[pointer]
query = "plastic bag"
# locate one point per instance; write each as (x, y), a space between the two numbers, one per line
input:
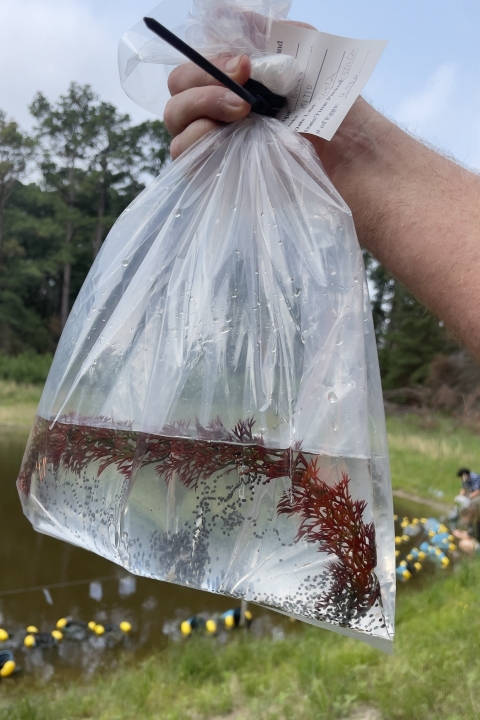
(213, 416)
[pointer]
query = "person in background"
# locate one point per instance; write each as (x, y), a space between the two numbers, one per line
(470, 491)
(468, 532)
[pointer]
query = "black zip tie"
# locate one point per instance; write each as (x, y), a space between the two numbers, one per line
(263, 102)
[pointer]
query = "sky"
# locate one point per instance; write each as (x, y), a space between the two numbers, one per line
(427, 79)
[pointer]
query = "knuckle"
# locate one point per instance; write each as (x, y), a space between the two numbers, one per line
(215, 104)
(174, 81)
(203, 102)
(168, 116)
(175, 148)
(201, 98)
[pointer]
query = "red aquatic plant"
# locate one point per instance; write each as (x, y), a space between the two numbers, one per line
(334, 521)
(74, 446)
(75, 442)
(329, 517)
(219, 450)
(34, 460)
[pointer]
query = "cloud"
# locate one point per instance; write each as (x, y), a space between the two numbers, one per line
(45, 44)
(427, 105)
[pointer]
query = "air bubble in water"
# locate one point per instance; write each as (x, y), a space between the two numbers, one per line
(334, 427)
(125, 262)
(332, 397)
(177, 212)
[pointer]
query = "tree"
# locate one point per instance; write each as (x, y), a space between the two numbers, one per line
(408, 335)
(15, 150)
(30, 263)
(155, 140)
(93, 163)
(383, 285)
(112, 164)
(66, 133)
(409, 340)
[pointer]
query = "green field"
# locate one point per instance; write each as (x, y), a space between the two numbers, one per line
(425, 454)
(310, 674)
(18, 405)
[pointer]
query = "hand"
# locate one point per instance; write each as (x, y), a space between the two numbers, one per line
(416, 211)
(200, 104)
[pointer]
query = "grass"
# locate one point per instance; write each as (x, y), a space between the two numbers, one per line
(18, 405)
(309, 675)
(425, 454)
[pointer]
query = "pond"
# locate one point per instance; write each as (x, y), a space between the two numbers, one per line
(43, 579)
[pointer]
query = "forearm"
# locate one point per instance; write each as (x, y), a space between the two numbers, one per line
(417, 212)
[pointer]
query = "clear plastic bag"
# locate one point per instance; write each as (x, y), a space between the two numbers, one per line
(213, 416)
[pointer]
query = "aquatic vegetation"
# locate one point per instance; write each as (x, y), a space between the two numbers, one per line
(334, 521)
(217, 466)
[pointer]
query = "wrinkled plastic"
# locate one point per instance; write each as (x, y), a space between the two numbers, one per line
(212, 27)
(279, 73)
(213, 415)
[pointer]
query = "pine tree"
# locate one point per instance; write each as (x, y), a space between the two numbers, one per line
(408, 336)
(66, 133)
(30, 263)
(411, 337)
(15, 151)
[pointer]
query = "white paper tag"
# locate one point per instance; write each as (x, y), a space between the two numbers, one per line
(334, 72)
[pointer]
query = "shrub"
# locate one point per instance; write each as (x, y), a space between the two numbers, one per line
(28, 367)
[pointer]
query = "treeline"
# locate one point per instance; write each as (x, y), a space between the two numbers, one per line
(408, 336)
(87, 162)
(421, 363)
(61, 189)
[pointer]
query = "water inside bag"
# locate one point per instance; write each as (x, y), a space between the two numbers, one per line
(214, 415)
(232, 517)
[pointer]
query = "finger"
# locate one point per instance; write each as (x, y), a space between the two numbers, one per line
(187, 76)
(214, 102)
(190, 135)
